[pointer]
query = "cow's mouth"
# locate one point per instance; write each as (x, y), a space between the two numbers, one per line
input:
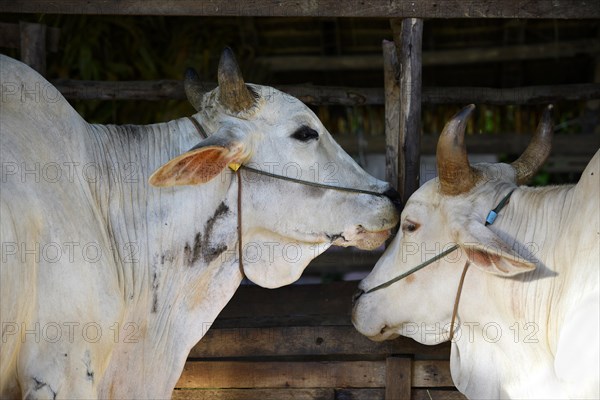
(361, 238)
(386, 333)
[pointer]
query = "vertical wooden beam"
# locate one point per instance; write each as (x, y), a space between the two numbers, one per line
(408, 36)
(391, 88)
(592, 107)
(33, 45)
(398, 378)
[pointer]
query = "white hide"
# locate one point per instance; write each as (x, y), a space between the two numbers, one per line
(521, 335)
(130, 275)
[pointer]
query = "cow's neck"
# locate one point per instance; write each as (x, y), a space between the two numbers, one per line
(174, 250)
(539, 224)
(502, 319)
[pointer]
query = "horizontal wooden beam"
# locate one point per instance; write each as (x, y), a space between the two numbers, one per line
(330, 95)
(291, 341)
(526, 95)
(282, 374)
(306, 374)
(262, 394)
(495, 144)
(561, 9)
(491, 54)
(310, 394)
(173, 89)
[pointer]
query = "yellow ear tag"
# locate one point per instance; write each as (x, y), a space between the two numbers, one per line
(234, 166)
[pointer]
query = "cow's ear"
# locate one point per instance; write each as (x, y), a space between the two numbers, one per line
(202, 163)
(488, 252)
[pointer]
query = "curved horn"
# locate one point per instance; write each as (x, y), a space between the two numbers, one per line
(537, 151)
(193, 88)
(455, 173)
(233, 92)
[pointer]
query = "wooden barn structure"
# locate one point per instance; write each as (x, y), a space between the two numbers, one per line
(298, 342)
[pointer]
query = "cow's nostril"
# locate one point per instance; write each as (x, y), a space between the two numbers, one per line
(357, 295)
(394, 197)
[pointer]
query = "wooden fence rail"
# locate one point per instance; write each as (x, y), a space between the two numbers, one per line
(561, 9)
(298, 343)
(330, 95)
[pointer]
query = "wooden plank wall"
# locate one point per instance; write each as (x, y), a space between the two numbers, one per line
(298, 343)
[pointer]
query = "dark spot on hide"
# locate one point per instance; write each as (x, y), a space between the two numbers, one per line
(202, 246)
(87, 360)
(167, 256)
(192, 253)
(333, 237)
(154, 292)
(38, 385)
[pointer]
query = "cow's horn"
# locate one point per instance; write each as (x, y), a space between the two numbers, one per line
(455, 173)
(233, 92)
(193, 88)
(538, 150)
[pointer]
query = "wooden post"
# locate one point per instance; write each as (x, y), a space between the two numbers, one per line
(33, 45)
(398, 378)
(391, 87)
(408, 36)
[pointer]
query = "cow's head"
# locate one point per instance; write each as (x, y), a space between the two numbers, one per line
(446, 211)
(285, 224)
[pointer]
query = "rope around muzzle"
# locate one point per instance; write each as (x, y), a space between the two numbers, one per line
(236, 167)
(491, 217)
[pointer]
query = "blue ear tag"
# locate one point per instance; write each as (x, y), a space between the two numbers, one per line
(491, 217)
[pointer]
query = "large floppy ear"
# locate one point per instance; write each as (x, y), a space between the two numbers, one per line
(203, 162)
(488, 252)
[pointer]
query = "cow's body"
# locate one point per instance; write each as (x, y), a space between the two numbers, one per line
(108, 282)
(533, 331)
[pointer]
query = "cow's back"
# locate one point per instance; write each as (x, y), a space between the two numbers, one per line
(578, 349)
(49, 225)
(584, 220)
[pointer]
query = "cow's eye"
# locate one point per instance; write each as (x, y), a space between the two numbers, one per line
(409, 226)
(304, 134)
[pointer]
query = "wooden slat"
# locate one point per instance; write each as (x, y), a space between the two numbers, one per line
(431, 373)
(307, 374)
(521, 95)
(328, 95)
(506, 143)
(490, 54)
(305, 341)
(254, 394)
(33, 45)
(325, 8)
(391, 86)
(437, 394)
(533, 51)
(321, 63)
(123, 90)
(172, 89)
(359, 394)
(398, 378)
(267, 374)
(308, 394)
(408, 36)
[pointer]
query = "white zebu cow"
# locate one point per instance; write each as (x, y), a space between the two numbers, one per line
(527, 324)
(107, 282)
